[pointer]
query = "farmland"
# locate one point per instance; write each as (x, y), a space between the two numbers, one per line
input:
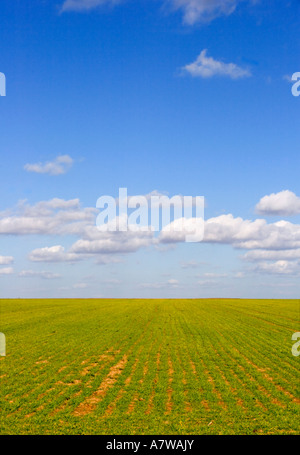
(149, 367)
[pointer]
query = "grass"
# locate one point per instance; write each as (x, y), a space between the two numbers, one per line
(149, 367)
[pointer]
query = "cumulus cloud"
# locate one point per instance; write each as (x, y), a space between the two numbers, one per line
(279, 268)
(97, 242)
(103, 259)
(86, 5)
(59, 217)
(206, 67)
(249, 234)
(272, 255)
(53, 204)
(41, 274)
(243, 234)
(183, 229)
(265, 242)
(5, 260)
(100, 245)
(60, 165)
(55, 253)
(278, 262)
(284, 203)
(54, 217)
(6, 271)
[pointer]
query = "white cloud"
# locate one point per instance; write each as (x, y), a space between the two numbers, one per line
(54, 204)
(244, 234)
(60, 165)
(103, 259)
(272, 255)
(6, 271)
(249, 234)
(55, 253)
(266, 242)
(275, 245)
(193, 10)
(284, 203)
(279, 268)
(26, 225)
(278, 262)
(86, 5)
(229, 230)
(183, 229)
(207, 67)
(100, 245)
(59, 217)
(203, 10)
(112, 242)
(41, 274)
(5, 260)
(65, 217)
(54, 217)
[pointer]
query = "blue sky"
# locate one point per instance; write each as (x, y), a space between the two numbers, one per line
(179, 96)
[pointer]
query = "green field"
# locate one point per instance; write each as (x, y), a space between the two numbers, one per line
(149, 367)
